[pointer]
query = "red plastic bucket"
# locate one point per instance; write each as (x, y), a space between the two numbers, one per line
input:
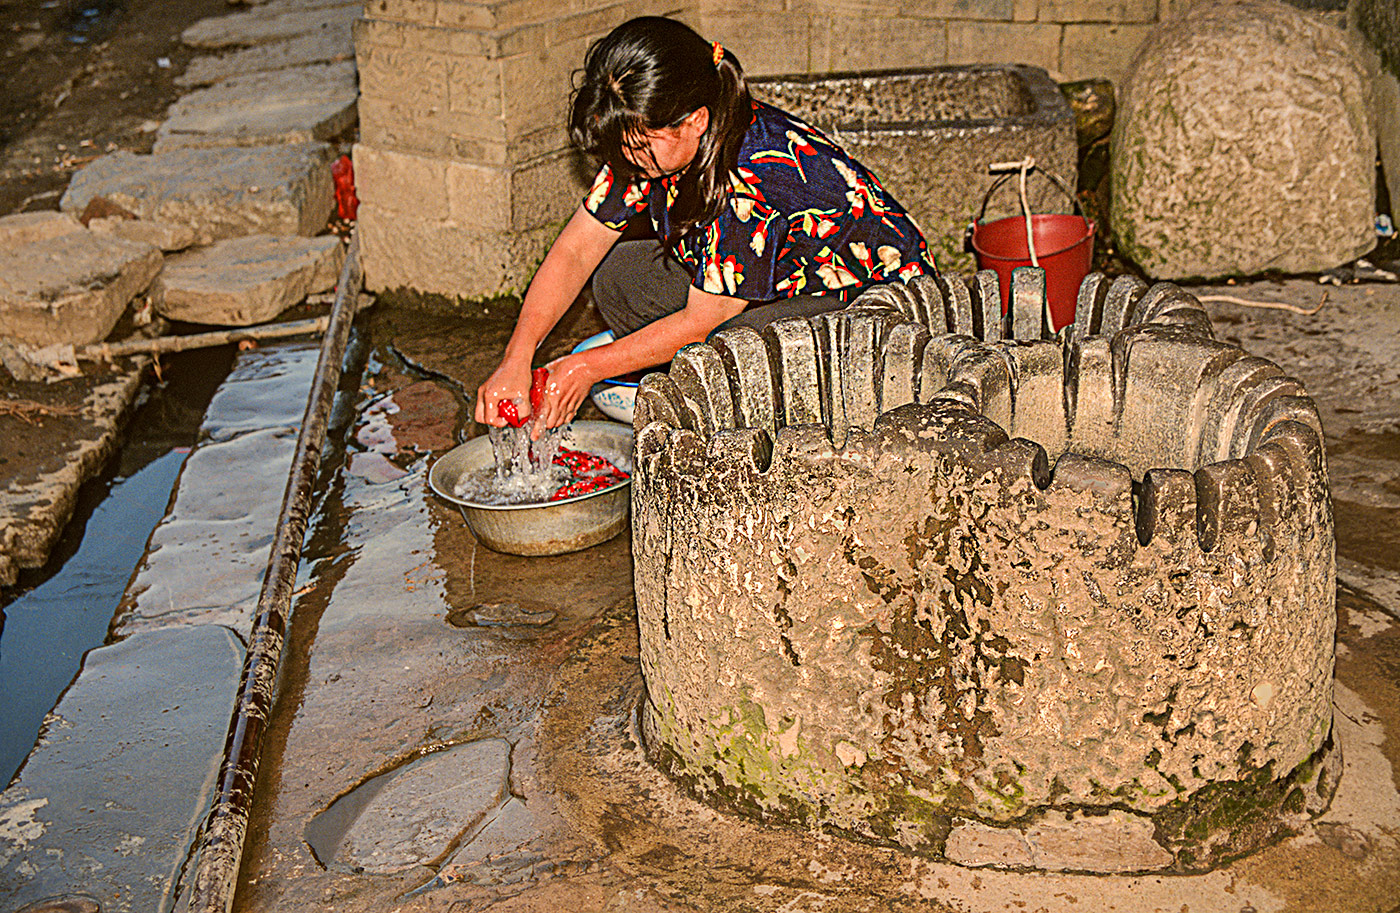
(1064, 244)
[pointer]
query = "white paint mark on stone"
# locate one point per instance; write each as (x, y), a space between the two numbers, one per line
(19, 827)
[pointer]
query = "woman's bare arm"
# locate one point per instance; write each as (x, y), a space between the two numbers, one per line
(571, 377)
(578, 250)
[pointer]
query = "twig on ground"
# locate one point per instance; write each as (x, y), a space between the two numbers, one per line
(107, 351)
(26, 409)
(1273, 305)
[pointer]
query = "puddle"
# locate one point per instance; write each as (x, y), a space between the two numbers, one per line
(58, 613)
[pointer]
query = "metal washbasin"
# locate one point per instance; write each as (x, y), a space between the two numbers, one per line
(552, 528)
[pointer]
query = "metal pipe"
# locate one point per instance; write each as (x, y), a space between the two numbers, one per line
(221, 850)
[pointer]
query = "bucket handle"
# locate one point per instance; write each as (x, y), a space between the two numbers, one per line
(996, 185)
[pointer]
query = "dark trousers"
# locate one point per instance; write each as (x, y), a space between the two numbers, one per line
(638, 283)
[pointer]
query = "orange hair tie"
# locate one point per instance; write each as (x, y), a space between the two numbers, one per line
(717, 53)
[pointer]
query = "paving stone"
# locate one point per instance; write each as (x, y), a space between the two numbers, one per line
(206, 560)
(220, 193)
(30, 227)
(323, 46)
(71, 289)
(266, 389)
(425, 808)
(1115, 842)
(294, 105)
(38, 493)
(164, 235)
(86, 814)
(249, 280)
(272, 22)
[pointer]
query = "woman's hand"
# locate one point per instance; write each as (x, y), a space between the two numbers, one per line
(570, 380)
(510, 381)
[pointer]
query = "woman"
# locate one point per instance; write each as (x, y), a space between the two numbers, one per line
(757, 215)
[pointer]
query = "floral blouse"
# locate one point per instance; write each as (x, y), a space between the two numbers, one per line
(803, 218)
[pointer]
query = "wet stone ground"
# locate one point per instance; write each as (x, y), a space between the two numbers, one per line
(456, 728)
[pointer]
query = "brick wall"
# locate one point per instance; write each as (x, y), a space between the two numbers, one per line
(464, 167)
(1071, 38)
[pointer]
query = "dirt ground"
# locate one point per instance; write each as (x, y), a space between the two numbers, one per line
(79, 78)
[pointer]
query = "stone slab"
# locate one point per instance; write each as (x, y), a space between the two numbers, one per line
(266, 389)
(71, 289)
(296, 105)
(206, 560)
(270, 23)
(315, 47)
(88, 812)
(427, 807)
(1115, 842)
(163, 235)
(249, 280)
(30, 227)
(219, 193)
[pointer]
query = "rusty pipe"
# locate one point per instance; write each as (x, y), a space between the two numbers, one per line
(221, 849)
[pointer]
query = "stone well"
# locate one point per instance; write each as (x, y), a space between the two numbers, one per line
(1045, 603)
(929, 134)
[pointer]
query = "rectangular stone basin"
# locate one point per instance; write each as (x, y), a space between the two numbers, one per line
(929, 134)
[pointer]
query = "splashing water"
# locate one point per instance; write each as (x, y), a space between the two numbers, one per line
(525, 471)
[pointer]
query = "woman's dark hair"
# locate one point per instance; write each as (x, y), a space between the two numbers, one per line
(649, 74)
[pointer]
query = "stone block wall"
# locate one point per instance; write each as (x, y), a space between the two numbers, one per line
(1071, 38)
(464, 167)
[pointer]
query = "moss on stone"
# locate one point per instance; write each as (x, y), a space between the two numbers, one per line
(1226, 820)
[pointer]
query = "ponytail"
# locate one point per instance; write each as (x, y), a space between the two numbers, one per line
(718, 155)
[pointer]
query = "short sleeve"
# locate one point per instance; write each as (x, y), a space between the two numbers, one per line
(612, 202)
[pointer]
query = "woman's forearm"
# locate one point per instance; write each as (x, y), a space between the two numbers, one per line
(578, 250)
(657, 342)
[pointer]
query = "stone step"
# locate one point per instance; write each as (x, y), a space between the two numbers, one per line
(30, 227)
(219, 193)
(325, 46)
(72, 288)
(249, 280)
(273, 22)
(294, 105)
(160, 234)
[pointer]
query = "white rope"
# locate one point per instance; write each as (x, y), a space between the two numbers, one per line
(1024, 166)
(1027, 164)
(1272, 305)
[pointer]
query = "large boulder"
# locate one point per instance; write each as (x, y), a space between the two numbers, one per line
(1244, 144)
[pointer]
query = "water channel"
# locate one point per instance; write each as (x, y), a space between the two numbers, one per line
(55, 614)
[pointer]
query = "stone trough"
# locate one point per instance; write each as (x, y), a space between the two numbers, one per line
(929, 135)
(1035, 603)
